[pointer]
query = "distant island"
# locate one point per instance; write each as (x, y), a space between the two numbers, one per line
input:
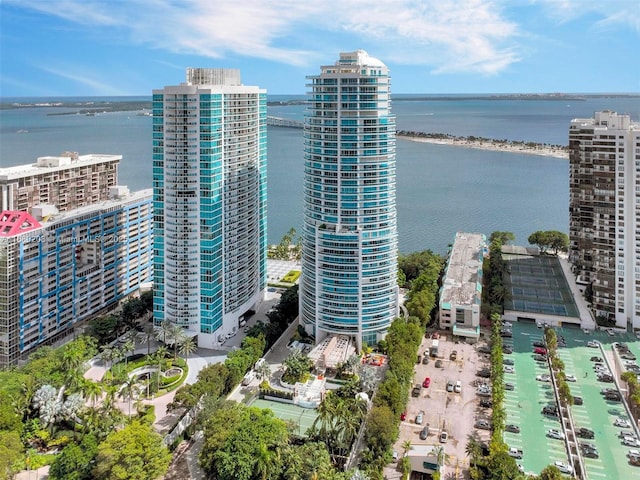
(513, 146)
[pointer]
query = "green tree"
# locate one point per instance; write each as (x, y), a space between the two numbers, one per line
(545, 239)
(187, 346)
(134, 453)
(11, 449)
(502, 237)
(75, 461)
(550, 472)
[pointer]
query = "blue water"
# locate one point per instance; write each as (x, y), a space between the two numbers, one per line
(440, 189)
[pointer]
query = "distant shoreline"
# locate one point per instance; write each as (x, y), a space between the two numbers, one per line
(529, 148)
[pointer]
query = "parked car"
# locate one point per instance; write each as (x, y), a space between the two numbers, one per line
(509, 386)
(419, 417)
(485, 373)
(539, 344)
(543, 378)
(563, 467)
(486, 403)
(458, 387)
(592, 344)
(508, 349)
(453, 355)
(596, 359)
(590, 452)
(483, 425)
(628, 356)
(613, 396)
(438, 363)
(626, 433)
(622, 422)
(555, 433)
(424, 433)
(540, 351)
(549, 410)
(450, 386)
(415, 392)
(512, 428)
(585, 433)
(508, 361)
(570, 378)
(509, 369)
(403, 416)
(578, 400)
(425, 359)
(426, 382)
(484, 349)
(631, 442)
(605, 377)
(540, 358)
(506, 333)
(443, 436)
(515, 452)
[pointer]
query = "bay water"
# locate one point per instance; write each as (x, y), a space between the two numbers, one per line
(441, 189)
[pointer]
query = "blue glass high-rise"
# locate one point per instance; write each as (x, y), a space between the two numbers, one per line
(349, 238)
(210, 200)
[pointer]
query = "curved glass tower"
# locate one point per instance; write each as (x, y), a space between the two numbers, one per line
(349, 238)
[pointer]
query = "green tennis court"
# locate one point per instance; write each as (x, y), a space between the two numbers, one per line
(302, 417)
(537, 285)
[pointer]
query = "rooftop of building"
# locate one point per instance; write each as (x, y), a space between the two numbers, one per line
(47, 215)
(461, 282)
(48, 164)
(332, 351)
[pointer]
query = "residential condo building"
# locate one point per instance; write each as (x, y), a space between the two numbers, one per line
(461, 291)
(349, 241)
(67, 181)
(58, 269)
(210, 202)
(604, 214)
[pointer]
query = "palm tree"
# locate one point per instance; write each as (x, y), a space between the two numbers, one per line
(266, 462)
(146, 337)
(107, 355)
(406, 446)
(128, 391)
(92, 391)
(128, 346)
(188, 346)
(177, 335)
(473, 449)
(159, 357)
(163, 330)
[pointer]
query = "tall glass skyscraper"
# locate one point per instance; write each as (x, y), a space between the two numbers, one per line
(349, 238)
(210, 202)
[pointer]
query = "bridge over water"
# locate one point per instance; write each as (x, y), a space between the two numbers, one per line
(283, 122)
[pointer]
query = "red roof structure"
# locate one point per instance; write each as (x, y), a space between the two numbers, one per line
(16, 223)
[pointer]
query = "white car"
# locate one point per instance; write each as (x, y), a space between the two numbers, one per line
(631, 442)
(571, 378)
(563, 467)
(610, 332)
(622, 422)
(592, 344)
(557, 434)
(543, 378)
(633, 453)
(509, 369)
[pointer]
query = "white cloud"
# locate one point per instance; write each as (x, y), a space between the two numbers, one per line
(445, 35)
(610, 13)
(72, 73)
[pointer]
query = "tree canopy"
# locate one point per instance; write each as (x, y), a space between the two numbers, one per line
(550, 239)
(134, 453)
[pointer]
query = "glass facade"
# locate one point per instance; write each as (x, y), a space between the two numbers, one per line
(349, 238)
(210, 202)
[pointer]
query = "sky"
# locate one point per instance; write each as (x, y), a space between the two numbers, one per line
(130, 47)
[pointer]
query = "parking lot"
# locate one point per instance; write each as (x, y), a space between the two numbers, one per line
(454, 412)
(524, 404)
